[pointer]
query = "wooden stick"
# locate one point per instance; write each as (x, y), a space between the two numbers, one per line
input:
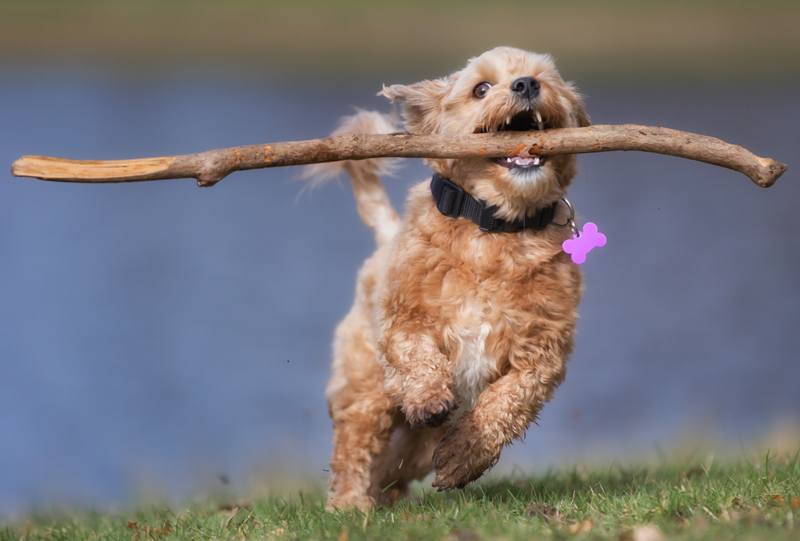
(211, 166)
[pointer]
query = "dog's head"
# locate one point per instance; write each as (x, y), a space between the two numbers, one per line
(502, 89)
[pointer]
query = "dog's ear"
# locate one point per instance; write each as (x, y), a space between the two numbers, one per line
(422, 103)
(577, 107)
(581, 115)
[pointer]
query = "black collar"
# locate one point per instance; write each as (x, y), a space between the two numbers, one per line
(451, 200)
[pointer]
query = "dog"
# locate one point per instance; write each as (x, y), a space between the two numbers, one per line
(464, 315)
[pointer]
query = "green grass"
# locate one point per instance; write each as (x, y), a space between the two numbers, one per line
(694, 500)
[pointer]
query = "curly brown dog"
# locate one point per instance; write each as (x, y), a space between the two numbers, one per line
(464, 315)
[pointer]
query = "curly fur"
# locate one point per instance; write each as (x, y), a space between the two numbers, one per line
(456, 337)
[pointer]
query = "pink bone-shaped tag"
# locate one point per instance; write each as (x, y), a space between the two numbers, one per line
(588, 239)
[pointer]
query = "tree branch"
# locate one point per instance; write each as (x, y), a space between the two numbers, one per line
(211, 166)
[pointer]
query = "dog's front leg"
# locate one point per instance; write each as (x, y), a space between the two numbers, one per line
(502, 413)
(419, 376)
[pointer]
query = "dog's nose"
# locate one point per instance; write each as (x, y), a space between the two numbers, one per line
(525, 87)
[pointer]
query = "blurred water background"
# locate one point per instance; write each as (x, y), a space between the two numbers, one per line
(157, 336)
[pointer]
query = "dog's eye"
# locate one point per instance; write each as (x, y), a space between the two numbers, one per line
(481, 89)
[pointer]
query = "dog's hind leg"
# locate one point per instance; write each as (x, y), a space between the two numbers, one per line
(362, 412)
(408, 457)
(361, 431)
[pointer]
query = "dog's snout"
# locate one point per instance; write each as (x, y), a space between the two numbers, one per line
(525, 87)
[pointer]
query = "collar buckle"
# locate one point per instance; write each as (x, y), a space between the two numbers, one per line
(450, 198)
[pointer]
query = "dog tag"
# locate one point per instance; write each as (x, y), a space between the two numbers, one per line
(583, 242)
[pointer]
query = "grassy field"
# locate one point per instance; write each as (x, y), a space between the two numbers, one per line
(706, 499)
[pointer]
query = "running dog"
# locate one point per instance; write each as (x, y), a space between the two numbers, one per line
(464, 316)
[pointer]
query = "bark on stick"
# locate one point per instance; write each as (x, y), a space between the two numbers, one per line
(211, 166)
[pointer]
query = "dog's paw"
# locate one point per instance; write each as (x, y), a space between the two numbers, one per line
(429, 408)
(461, 457)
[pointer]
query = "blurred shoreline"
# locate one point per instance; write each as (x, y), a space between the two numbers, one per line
(619, 40)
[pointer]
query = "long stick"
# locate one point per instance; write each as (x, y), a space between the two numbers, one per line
(211, 166)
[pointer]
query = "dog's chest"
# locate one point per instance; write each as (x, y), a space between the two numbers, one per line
(474, 366)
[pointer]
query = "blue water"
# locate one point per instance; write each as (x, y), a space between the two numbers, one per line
(157, 335)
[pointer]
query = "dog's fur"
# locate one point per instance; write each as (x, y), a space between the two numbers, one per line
(451, 324)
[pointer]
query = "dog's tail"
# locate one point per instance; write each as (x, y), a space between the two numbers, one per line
(372, 200)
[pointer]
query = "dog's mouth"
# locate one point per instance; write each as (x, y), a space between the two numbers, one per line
(528, 120)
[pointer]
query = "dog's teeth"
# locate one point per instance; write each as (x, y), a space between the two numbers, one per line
(539, 122)
(522, 162)
(508, 120)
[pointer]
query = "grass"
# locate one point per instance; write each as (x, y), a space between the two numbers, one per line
(745, 499)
